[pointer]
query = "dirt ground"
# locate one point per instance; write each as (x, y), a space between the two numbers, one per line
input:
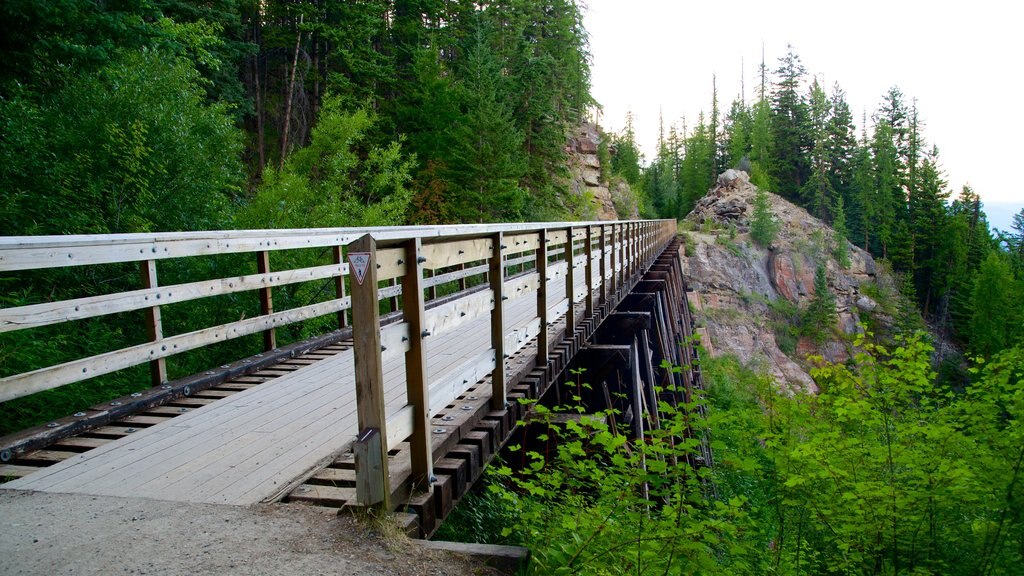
(51, 534)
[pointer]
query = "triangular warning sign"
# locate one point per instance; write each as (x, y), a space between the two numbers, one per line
(359, 261)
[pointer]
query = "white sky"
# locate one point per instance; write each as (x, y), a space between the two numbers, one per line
(962, 61)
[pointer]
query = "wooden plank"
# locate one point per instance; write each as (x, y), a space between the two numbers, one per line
(450, 387)
(79, 442)
(588, 251)
(449, 316)
(460, 275)
(390, 263)
(453, 253)
(542, 302)
(24, 252)
(8, 471)
(570, 284)
(154, 327)
(394, 341)
(522, 286)
(401, 424)
(266, 300)
(339, 283)
(516, 243)
(417, 390)
(557, 237)
(369, 374)
(78, 370)
(35, 315)
(496, 276)
(517, 338)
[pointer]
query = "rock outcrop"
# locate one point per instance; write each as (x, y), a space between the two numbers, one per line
(585, 175)
(749, 293)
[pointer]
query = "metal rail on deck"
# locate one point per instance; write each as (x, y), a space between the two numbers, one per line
(391, 262)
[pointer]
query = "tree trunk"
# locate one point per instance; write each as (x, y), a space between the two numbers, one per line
(291, 95)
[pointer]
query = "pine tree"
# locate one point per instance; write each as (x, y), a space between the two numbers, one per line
(790, 123)
(820, 317)
(841, 144)
(927, 212)
(763, 225)
(817, 192)
(487, 160)
(841, 249)
(737, 133)
(626, 157)
(996, 312)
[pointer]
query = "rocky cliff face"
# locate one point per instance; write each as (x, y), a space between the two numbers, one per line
(598, 195)
(750, 297)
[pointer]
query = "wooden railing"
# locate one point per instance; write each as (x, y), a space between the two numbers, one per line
(497, 262)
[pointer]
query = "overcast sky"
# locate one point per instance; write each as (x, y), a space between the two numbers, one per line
(962, 61)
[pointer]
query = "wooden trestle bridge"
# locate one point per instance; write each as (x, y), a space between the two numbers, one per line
(438, 332)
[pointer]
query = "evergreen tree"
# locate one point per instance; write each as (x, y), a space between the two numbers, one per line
(737, 133)
(763, 225)
(817, 192)
(887, 192)
(487, 161)
(841, 144)
(790, 127)
(695, 173)
(927, 212)
(762, 143)
(626, 157)
(820, 317)
(996, 320)
(841, 250)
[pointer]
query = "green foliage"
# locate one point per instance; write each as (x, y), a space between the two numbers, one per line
(111, 150)
(338, 180)
(841, 244)
(997, 319)
(583, 510)
(881, 472)
(763, 225)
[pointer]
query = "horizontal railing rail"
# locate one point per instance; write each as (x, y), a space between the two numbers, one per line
(414, 270)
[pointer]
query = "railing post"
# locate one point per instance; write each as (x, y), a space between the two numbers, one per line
(588, 248)
(339, 285)
(542, 297)
(570, 286)
(604, 266)
(417, 385)
(632, 251)
(616, 236)
(372, 483)
(497, 280)
(266, 300)
(154, 325)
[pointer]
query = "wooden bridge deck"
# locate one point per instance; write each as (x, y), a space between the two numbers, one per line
(251, 446)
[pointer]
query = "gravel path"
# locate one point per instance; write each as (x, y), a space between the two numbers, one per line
(54, 534)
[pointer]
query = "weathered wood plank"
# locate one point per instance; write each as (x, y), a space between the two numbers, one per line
(369, 373)
(390, 263)
(417, 392)
(78, 370)
(516, 243)
(453, 253)
(36, 315)
(154, 326)
(522, 286)
(458, 312)
(496, 276)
